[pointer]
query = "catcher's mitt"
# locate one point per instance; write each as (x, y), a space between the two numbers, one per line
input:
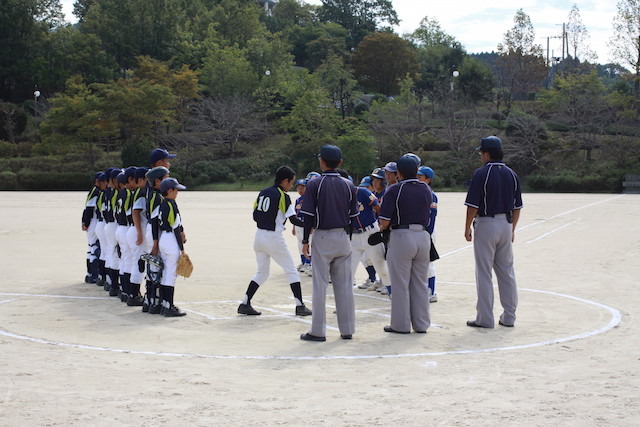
(185, 267)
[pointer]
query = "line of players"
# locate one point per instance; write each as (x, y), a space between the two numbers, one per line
(370, 193)
(129, 213)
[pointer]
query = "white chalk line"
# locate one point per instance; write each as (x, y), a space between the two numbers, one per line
(616, 318)
(542, 236)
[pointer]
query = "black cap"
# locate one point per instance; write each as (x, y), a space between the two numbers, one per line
(129, 172)
(407, 166)
(331, 153)
(490, 142)
(140, 172)
(114, 173)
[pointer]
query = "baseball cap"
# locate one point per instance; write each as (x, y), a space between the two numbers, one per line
(415, 156)
(170, 183)
(391, 167)
(407, 166)
(426, 171)
(122, 177)
(156, 173)
(490, 142)
(301, 181)
(100, 176)
(114, 173)
(141, 173)
(312, 175)
(365, 182)
(330, 152)
(159, 154)
(129, 173)
(378, 173)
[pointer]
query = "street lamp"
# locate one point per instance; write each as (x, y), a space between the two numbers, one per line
(455, 74)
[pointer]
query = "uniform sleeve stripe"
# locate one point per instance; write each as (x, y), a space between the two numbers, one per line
(307, 213)
(385, 218)
(472, 205)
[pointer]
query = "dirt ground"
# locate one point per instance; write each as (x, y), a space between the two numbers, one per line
(73, 356)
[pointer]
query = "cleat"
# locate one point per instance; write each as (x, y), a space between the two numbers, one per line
(249, 311)
(300, 268)
(365, 284)
(384, 291)
(433, 298)
(154, 309)
(113, 291)
(309, 337)
(173, 311)
(302, 310)
(136, 301)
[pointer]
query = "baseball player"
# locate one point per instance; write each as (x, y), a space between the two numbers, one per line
(426, 174)
(493, 205)
(405, 211)
(102, 275)
(329, 206)
(135, 237)
(160, 157)
(171, 244)
(123, 207)
(112, 261)
(364, 225)
(270, 212)
(89, 222)
(153, 200)
(391, 173)
(305, 264)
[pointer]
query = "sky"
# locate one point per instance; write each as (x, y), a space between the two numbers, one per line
(480, 25)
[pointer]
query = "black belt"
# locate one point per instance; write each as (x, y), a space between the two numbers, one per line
(405, 226)
(486, 215)
(363, 229)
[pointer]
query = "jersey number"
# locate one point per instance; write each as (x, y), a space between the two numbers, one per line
(263, 204)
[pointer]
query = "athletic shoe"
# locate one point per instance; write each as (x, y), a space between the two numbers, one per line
(309, 337)
(248, 310)
(365, 284)
(114, 291)
(433, 298)
(155, 309)
(173, 311)
(300, 267)
(302, 310)
(308, 270)
(372, 286)
(384, 291)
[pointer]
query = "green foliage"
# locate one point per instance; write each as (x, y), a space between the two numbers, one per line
(226, 72)
(358, 148)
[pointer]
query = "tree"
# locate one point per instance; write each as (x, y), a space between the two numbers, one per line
(475, 80)
(625, 43)
(339, 82)
(382, 60)
(521, 66)
(430, 33)
(578, 36)
(360, 18)
(226, 71)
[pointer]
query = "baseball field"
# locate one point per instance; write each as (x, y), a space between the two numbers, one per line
(71, 355)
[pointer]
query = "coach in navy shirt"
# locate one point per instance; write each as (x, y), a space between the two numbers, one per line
(329, 207)
(405, 210)
(493, 204)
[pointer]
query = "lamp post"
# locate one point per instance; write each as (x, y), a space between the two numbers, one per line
(36, 95)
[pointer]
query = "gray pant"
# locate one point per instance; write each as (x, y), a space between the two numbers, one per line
(408, 261)
(492, 249)
(331, 252)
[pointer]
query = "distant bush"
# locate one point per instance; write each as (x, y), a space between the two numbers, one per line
(44, 180)
(8, 181)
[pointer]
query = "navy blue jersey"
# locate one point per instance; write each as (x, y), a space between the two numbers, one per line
(272, 208)
(366, 201)
(331, 201)
(495, 189)
(407, 202)
(169, 220)
(433, 212)
(297, 207)
(109, 203)
(123, 204)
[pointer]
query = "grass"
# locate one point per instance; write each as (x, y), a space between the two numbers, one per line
(241, 185)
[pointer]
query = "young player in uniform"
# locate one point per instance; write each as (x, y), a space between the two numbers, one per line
(153, 200)
(135, 237)
(100, 229)
(112, 261)
(89, 222)
(171, 244)
(305, 264)
(426, 174)
(391, 173)
(123, 208)
(271, 210)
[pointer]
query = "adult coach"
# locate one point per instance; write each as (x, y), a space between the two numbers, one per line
(493, 204)
(329, 206)
(405, 211)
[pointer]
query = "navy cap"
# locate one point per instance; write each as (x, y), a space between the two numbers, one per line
(490, 142)
(331, 153)
(122, 177)
(391, 167)
(426, 171)
(129, 173)
(114, 173)
(366, 181)
(415, 156)
(159, 154)
(141, 173)
(100, 176)
(170, 183)
(378, 173)
(301, 181)
(156, 173)
(107, 172)
(407, 166)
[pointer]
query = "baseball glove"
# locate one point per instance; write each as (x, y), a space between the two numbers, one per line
(185, 267)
